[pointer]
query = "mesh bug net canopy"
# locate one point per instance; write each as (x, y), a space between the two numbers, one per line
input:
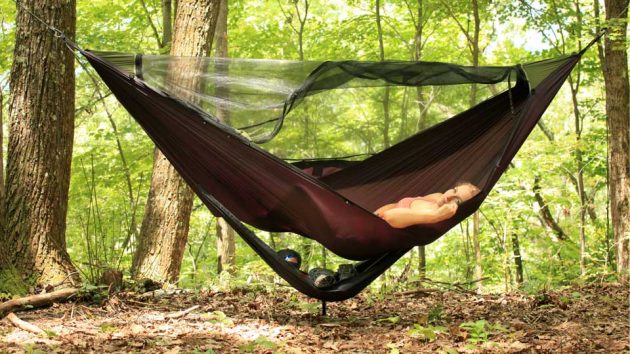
(363, 107)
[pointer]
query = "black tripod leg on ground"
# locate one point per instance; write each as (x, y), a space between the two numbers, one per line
(323, 308)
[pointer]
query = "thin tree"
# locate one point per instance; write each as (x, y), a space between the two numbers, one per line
(165, 226)
(386, 94)
(1, 163)
(424, 101)
(475, 53)
(225, 234)
(518, 259)
(41, 114)
(577, 178)
(310, 139)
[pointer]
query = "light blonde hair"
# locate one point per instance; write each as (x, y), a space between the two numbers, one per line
(475, 189)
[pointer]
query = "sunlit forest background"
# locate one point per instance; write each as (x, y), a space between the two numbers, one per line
(530, 228)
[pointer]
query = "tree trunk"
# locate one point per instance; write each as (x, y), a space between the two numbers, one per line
(225, 234)
(422, 263)
(473, 101)
(477, 248)
(617, 110)
(423, 110)
(4, 261)
(545, 213)
(381, 47)
(579, 161)
(41, 114)
(417, 54)
(609, 240)
(475, 48)
(167, 24)
(518, 260)
(1, 170)
(10, 282)
(575, 85)
(164, 229)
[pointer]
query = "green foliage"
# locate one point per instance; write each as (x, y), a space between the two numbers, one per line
(481, 330)
(11, 284)
(448, 351)
(436, 314)
(426, 334)
(32, 349)
(218, 317)
(51, 334)
(108, 328)
(209, 351)
(393, 319)
(261, 343)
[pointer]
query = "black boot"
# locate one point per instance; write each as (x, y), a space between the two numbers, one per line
(346, 271)
(321, 277)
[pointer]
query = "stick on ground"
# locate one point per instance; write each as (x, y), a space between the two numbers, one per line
(17, 322)
(36, 300)
(182, 313)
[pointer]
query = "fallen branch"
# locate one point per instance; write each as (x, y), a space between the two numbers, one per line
(182, 313)
(471, 282)
(459, 286)
(163, 293)
(17, 322)
(36, 300)
(423, 291)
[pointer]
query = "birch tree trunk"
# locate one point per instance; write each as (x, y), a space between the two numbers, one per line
(617, 93)
(164, 229)
(41, 114)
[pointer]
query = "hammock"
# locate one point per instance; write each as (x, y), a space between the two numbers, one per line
(330, 201)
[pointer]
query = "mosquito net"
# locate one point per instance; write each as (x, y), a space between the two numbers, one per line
(332, 109)
(255, 96)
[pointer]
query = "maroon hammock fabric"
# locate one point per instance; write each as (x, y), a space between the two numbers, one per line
(336, 210)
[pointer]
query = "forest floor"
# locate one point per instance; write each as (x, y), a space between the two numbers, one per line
(578, 319)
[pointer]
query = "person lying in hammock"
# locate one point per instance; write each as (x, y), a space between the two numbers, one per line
(427, 209)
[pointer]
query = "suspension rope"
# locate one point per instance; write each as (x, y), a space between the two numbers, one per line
(57, 33)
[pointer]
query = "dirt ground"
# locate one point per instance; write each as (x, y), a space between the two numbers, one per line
(588, 319)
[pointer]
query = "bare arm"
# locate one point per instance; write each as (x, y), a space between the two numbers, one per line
(404, 217)
(435, 197)
(380, 211)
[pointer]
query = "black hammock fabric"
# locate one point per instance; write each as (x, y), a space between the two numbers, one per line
(238, 180)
